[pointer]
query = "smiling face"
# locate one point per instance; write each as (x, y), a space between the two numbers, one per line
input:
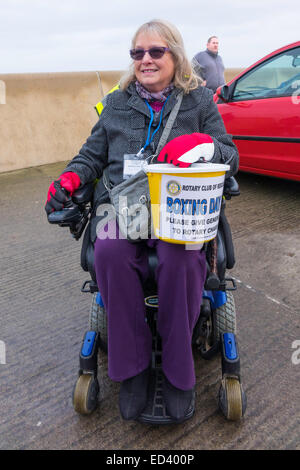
(153, 74)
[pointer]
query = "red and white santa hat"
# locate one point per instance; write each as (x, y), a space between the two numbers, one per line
(188, 149)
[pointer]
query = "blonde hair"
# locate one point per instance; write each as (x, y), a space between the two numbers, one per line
(184, 78)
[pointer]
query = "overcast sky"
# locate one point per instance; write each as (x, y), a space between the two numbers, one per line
(85, 35)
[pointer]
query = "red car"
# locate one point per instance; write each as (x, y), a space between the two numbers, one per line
(261, 109)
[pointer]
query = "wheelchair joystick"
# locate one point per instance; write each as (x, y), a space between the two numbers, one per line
(68, 215)
(75, 213)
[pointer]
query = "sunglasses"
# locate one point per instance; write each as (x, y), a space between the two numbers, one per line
(154, 52)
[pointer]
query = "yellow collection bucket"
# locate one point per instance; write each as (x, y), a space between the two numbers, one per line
(186, 202)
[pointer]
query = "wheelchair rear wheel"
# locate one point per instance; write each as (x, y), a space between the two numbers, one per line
(98, 322)
(221, 320)
(226, 317)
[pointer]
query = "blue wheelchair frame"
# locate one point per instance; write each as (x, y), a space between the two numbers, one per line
(216, 298)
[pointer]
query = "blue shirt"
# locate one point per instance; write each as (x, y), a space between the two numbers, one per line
(211, 68)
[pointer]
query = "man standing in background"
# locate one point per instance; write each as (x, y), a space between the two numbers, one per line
(209, 65)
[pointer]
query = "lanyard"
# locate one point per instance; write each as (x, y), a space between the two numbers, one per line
(150, 138)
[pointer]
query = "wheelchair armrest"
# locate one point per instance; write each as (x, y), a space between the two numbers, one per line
(231, 187)
(83, 195)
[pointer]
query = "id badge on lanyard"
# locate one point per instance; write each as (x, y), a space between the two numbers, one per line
(132, 164)
(135, 162)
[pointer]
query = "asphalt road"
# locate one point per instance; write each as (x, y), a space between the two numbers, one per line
(44, 316)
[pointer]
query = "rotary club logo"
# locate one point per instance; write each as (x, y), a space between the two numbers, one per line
(173, 188)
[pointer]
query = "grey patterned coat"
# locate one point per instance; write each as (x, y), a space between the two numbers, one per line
(123, 125)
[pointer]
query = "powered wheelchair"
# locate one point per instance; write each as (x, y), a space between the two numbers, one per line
(214, 332)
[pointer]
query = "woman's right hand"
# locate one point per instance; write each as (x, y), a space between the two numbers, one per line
(60, 191)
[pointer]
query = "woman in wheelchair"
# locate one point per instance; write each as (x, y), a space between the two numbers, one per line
(131, 123)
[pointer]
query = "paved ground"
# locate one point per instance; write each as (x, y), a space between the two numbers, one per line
(44, 315)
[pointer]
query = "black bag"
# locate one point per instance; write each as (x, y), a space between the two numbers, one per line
(131, 201)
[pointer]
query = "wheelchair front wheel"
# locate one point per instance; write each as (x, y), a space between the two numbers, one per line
(85, 394)
(232, 399)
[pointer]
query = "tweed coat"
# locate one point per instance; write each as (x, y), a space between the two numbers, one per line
(122, 129)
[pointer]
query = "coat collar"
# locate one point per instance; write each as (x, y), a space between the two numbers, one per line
(137, 103)
(134, 101)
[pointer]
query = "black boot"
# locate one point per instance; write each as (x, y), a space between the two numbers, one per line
(180, 404)
(133, 395)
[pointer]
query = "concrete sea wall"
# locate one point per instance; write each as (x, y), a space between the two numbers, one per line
(45, 118)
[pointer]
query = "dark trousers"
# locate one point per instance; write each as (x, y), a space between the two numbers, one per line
(121, 267)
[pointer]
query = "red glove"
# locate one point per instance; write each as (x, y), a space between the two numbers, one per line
(187, 149)
(60, 190)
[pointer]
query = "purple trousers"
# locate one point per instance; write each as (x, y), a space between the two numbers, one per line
(121, 267)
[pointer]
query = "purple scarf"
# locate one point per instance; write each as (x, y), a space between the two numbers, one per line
(158, 96)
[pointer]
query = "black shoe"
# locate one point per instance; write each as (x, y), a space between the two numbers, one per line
(180, 404)
(133, 395)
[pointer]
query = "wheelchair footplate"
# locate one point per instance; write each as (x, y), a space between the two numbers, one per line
(155, 411)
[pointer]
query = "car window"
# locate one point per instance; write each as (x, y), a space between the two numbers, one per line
(278, 76)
